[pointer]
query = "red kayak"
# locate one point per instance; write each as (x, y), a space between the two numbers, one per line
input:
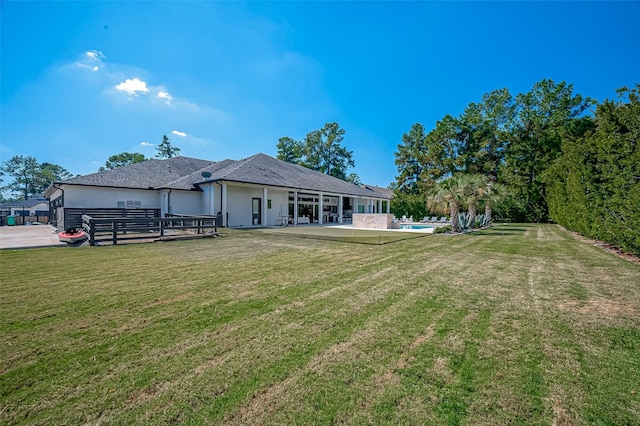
(72, 236)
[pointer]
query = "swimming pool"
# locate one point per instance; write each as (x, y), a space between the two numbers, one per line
(417, 227)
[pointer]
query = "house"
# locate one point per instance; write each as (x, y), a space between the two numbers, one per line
(34, 209)
(257, 191)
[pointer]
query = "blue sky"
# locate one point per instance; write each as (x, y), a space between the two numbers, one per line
(85, 80)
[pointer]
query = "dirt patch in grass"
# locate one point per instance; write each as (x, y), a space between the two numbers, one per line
(604, 308)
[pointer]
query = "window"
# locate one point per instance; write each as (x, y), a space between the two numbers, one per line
(268, 204)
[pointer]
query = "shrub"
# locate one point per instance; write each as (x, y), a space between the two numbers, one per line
(442, 229)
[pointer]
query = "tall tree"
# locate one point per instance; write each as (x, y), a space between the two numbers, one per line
(535, 144)
(409, 159)
(483, 133)
(165, 149)
(25, 173)
(321, 151)
(50, 173)
(290, 150)
(324, 153)
(122, 159)
(423, 159)
(354, 179)
(29, 176)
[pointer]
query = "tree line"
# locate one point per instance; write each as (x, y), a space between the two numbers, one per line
(543, 152)
(30, 177)
(164, 150)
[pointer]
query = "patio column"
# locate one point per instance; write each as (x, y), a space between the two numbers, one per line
(388, 206)
(320, 209)
(264, 207)
(295, 207)
(211, 204)
(379, 207)
(223, 205)
(340, 209)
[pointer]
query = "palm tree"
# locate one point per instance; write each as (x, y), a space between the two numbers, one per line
(474, 192)
(450, 193)
(493, 193)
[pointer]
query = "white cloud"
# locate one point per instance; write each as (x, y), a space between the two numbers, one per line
(143, 143)
(179, 133)
(95, 54)
(119, 84)
(91, 60)
(165, 95)
(133, 86)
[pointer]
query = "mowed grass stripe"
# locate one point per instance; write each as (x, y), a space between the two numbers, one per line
(519, 323)
(345, 366)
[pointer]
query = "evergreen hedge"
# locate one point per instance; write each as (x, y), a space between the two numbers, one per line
(593, 188)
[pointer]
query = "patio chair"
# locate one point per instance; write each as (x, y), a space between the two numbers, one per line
(425, 219)
(434, 219)
(443, 219)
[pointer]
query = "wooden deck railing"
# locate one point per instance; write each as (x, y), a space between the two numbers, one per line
(116, 229)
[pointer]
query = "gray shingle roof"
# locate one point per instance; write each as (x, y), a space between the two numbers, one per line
(265, 170)
(385, 192)
(30, 202)
(186, 173)
(144, 175)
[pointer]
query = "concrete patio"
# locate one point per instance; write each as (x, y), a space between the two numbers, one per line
(28, 236)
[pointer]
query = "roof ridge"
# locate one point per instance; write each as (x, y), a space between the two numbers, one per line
(211, 163)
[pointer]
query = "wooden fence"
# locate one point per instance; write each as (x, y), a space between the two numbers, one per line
(73, 216)
(22, 220)
(118, 229)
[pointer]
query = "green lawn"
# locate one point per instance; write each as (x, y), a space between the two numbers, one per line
(519, 324)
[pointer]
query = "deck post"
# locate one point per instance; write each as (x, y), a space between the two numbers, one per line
(114, 226)
(92, 233)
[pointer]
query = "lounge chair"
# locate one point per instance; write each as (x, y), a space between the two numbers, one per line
(433, 219)
(443, 220)
(425, 219)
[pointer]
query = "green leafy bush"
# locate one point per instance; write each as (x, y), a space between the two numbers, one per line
(442, 229)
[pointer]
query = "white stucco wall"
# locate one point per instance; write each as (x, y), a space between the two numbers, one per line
(239, 199)
(182, 202)
(372, 220)
(92, 197)
(187, 202)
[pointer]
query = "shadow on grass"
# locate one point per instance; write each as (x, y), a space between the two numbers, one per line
(499, 232)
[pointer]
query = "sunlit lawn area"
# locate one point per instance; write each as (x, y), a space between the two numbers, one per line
(516, 324)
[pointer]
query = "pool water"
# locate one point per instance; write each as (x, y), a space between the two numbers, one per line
(416, 226)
